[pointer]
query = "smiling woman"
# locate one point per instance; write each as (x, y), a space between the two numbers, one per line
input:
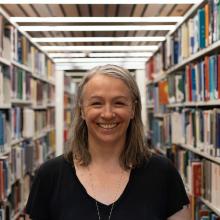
(107, 172)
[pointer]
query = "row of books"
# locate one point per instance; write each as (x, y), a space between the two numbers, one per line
(24, 123)
(200, 211)
(15, 46)
(16, 83)
(196, 128)
(199, 31)
(27, 123)
(68, 103)
(201, 177)
(199, 82)
(23, 159)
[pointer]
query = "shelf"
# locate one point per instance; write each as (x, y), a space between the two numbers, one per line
(159, 115)
(8, 150)
(193, 149)
(5, 106)
(5, 61)
(40, 107)
(21, 102)
(149, 82)
(26, 68)
(195, 56)
(17, 141)
(160, 77)
(36, 76)
(175, 105)
(16, 215)
(195, 104)
(211, 206)
(161, 150)
(39, 135)
(150, 106)
(50, 105)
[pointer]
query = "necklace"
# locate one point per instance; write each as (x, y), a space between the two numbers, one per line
(96, 203)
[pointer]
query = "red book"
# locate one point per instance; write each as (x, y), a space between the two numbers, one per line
(196, 178)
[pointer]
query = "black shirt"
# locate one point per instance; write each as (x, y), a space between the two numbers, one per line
(154, 191)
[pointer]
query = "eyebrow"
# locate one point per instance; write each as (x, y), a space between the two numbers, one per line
(100, 97)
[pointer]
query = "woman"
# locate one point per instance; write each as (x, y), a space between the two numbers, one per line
(108, 172)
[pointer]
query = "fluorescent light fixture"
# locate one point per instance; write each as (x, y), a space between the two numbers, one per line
(100, 28)
(97, 39)
(99, 60)
(94, 2)
(100, 48)
(109, 54)
(87, 66)
(95, 19)
(137, 54)
(67, 55)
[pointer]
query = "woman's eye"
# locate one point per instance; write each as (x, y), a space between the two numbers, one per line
(96, 104)
(119, 103)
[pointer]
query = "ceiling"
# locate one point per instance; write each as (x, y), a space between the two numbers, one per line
(107, 10)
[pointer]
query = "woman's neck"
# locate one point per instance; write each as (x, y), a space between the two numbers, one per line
(104, 155)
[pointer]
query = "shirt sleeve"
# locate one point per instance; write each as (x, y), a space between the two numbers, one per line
(176, 193)
(37, 206)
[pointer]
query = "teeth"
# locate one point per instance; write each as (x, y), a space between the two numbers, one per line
(108, 126)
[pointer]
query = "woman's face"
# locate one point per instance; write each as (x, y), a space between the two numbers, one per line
(107, 109)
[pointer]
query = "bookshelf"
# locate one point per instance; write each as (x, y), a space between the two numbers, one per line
(27, 115)
(68, 103)
(183, 92)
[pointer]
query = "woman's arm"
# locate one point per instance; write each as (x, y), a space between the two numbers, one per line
(183, 214)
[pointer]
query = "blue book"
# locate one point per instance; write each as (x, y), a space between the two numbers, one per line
(193, 77)
(201, 23)
(2, 131)
(211, 78)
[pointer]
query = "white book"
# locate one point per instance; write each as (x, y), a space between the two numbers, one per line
(28, 123)
(1, 87)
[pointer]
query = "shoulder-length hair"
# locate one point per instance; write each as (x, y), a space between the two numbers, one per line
(135, 151)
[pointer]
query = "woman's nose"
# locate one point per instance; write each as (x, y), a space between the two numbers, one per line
(108, 112)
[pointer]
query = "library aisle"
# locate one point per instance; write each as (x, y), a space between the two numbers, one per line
(171, 48)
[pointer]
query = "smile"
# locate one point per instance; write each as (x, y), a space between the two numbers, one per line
(107, 125)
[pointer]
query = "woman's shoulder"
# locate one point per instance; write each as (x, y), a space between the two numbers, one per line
(158, 163)
(52, 166)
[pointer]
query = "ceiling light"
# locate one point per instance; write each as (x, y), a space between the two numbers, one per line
(92, 2)
(97, 39)
(109, 54)
(95, 19)
(87, 66)
(137, 54)
(99, 28)
(100, 48)
(99, 60)
(67, 54)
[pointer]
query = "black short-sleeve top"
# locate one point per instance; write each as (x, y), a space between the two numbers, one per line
(154, 191)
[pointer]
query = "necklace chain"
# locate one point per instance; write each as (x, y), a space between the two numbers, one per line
(96, 202)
